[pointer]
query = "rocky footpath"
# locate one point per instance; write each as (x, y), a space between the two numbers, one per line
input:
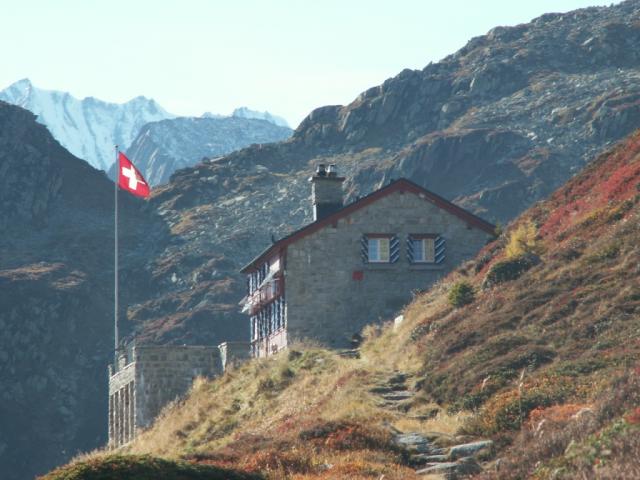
(431, 453)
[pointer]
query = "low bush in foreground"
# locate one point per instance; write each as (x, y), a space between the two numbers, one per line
(142, 467)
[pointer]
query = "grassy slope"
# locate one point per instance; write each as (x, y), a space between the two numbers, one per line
(544, 364)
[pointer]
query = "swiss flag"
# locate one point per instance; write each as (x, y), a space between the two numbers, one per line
(130, 179)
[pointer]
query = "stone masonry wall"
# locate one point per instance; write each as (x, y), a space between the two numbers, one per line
(325, 299)
(122, 405)
(167, 372)
(150, 377)
(233, 353)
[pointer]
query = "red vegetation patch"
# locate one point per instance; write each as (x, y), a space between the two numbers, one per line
(589, 192)
(346, 436)
(276, 460)
(556, 413)
(633, 417)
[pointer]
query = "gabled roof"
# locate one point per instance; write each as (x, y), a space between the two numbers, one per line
(400, 185)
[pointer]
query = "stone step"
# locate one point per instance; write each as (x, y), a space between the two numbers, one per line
(352, 353)
(438, 468)
(469, 449)
(417, 444)
(422, 418)
(398, 406)
(413, 442)
(397, 378)
(452, 470)
(388, 388)
(397, 396)
(421, 459)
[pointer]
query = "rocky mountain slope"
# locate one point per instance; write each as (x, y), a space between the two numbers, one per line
(533, 375)
(88, 128)
(494, 127)
(56, 303)
(163, 147)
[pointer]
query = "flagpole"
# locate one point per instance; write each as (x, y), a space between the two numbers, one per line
(115, 259)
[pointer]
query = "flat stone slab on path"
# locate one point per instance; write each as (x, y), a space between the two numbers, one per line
(469, 449)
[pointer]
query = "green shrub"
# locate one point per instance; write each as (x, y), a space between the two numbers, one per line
(508, 270)
(511, 416)
(461, 294)
(607, 253)
(580, 367)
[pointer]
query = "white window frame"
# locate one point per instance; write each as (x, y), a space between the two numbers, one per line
(377, 241)
(416, 246)
(419, 247)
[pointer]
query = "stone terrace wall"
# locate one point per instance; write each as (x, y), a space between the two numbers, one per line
(150, 377)
(233, 352)
(122, 404)
(167, 372)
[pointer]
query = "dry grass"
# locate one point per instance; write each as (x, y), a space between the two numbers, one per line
(305, 413)
(446, 423)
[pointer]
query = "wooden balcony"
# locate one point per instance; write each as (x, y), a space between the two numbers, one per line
(264, 295)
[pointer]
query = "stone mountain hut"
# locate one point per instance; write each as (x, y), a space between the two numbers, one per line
(355, 264)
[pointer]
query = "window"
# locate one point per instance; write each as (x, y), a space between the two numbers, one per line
(424, 250)
(427, 248)
(377, 248)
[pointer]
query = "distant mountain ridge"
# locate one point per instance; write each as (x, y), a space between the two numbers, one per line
(244, 112)
(88, 128)
(163, 147)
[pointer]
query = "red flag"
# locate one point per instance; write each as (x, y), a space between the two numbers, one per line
(130, 179)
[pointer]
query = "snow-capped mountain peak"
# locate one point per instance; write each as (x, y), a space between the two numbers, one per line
(88, 128)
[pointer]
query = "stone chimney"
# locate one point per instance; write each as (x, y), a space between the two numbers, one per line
(326, 191)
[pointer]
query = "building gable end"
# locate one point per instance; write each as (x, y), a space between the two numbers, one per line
(402, 185)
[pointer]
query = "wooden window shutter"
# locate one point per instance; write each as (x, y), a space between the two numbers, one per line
(394, 249)
(410, 245)
(439, 247)
(364, 249)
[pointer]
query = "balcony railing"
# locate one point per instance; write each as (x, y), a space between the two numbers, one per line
(265, 294)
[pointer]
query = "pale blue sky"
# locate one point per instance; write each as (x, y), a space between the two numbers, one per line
(286, 56)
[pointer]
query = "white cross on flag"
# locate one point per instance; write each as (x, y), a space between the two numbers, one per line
(130, 179)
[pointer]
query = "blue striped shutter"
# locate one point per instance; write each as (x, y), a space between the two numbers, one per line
(410, 248)
(364, 249)
(394, 249)
(439, 246)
